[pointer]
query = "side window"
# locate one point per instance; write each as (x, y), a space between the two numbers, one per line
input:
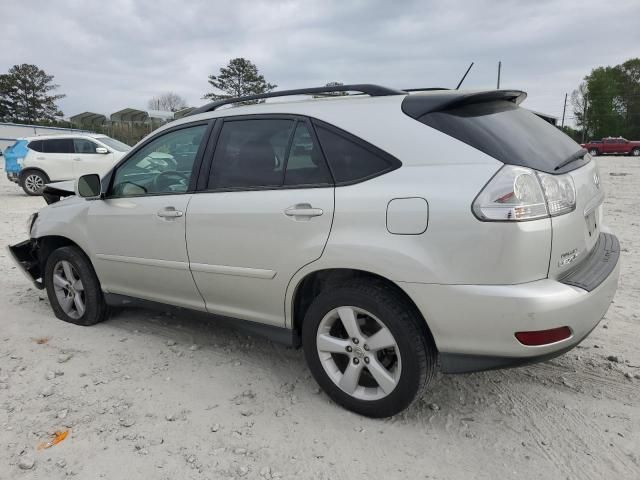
(162, 166)
(350, 161)
(59, 145)
(305, 165)
(251, 153)
(36, 146)
(83, 145)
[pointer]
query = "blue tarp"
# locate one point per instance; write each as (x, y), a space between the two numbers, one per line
(11, 155)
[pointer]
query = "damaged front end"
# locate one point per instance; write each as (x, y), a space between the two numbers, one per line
(25, 254)
(54, 192)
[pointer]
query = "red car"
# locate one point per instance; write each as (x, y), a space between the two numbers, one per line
(613, 145)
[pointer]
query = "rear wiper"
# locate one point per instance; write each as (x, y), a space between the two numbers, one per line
(576, 156)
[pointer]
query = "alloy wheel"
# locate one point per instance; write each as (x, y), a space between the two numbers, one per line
(34, 183)
(358, 353)
(69, 289)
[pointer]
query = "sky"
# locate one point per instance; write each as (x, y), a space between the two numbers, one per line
(113, 54)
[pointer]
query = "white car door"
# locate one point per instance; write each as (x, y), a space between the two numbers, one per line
(266, 212)
(138, 230)
(87, 160)
(55, 158)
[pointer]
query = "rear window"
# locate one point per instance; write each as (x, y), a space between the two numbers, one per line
(59, 145)
(508, 133)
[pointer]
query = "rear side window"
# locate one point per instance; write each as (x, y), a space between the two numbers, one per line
(351, 159)
(508, 133)
(36, 146)
(59, 145)
(305, 163)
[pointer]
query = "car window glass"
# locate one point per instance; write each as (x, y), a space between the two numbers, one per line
(348, 160)
(305, 164)
(36, 145)
(162, 166)
(251, 153)
(82, 145)
(58, 145)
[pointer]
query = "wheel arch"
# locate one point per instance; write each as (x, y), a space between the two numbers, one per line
(49, 243)
(313, 283)
(23, 173)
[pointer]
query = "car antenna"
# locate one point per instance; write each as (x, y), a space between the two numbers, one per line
(464, 76)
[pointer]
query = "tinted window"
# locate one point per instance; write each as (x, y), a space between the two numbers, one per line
(59, 145)
(162, 166)
(508, 133)
(84, 146)
(305, 164)
(36, 145)
(251, 153)
(350, 161)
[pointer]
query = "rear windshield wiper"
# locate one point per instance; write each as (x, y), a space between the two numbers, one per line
(576, 156)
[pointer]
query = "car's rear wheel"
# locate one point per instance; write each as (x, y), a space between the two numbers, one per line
(593, 152)
(635, 152)
(365, 347)
(73, 287)
(33, 182)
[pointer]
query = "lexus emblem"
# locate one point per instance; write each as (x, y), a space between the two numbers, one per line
(596, 180)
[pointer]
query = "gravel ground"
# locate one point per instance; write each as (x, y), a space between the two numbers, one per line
(166, 396)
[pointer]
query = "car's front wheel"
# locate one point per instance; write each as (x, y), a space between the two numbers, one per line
(33, 182)
(73, 287)
(594, 152)
(365, 347)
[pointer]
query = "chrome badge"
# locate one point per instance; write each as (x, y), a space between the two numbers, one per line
(568, 257)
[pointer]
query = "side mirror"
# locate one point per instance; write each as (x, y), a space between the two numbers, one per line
(102, 150)
(88, 186)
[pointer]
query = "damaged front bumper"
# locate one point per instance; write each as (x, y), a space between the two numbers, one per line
(25, 254)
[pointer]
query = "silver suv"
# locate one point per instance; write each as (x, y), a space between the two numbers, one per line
(387, 233)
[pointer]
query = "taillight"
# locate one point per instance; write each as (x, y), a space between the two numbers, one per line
(543, 337)
(519, 194)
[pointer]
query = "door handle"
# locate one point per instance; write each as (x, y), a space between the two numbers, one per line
(169, 212)
(77, 159)
(303, 210)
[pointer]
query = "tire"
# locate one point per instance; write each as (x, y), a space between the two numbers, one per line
(67, 296)
(635, 152)
(410, 362)
(33, 182)
(593, 152)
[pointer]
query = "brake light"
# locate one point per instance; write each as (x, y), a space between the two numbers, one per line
(543, 337)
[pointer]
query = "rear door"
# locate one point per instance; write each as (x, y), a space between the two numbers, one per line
(138, 230)
(55, 158)
(264, 212)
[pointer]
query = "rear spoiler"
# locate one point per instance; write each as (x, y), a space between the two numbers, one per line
(417, 105)
(54, 192)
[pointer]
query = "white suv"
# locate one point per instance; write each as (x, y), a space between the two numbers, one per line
(52, 158)
(387, 233)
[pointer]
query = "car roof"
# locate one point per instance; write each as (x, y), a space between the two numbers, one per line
(64, 135)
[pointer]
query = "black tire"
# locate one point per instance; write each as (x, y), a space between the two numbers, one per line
(416, 348)
(594, 152)
(33, 181)
(96, 310)
(635, 152)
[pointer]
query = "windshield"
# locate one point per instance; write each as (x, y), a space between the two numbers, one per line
(115, 144)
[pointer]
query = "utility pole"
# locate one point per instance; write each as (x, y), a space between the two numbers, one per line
(564, 109)
(499, 68)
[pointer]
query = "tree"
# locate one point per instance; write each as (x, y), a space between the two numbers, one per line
(240, 77)
(168, 101)
(25, 95)
(607, 102)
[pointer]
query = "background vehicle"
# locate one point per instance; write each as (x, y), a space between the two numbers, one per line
(52, 158)
(613, 145)
(384, 232)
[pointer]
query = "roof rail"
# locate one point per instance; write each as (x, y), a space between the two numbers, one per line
(367, 89)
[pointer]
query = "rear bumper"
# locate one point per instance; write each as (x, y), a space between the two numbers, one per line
(25, 255)
(13, 176)
(474, 325)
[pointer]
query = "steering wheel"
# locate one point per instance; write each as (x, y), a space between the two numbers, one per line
(163, 180)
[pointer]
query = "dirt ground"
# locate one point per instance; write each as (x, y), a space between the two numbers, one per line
(165, 396)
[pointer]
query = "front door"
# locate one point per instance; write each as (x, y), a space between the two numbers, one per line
(86, 160)
(139, 229)
(266, 213)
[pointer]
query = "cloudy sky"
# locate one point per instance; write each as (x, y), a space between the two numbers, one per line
(113, 54)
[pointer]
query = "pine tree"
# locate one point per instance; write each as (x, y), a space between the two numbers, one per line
(240, 77)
